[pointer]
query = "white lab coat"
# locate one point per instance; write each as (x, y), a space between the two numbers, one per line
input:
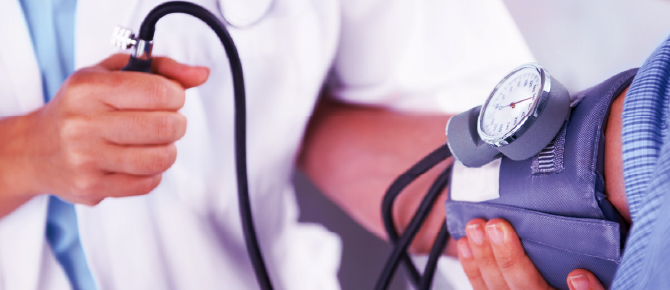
(412, 55)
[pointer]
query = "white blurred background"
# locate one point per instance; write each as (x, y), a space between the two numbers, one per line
(579, 42)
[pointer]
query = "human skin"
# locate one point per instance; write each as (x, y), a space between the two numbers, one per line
(492, 255)
(353, 153)
(106, 133)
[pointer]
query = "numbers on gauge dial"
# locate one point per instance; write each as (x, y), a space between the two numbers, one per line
(511, 103)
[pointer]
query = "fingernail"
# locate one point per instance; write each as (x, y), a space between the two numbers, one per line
(464, 249)
(580, 282)
(476, 234)
(495, 234)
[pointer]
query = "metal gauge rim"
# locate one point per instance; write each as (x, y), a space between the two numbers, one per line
(527, 121)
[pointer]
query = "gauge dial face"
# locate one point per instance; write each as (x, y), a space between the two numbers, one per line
(511, 103)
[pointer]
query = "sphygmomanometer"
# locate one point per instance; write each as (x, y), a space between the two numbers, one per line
(548, 151)
(549, 145)
(551, 185)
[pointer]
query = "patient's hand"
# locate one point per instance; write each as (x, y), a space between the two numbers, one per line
(493, 258)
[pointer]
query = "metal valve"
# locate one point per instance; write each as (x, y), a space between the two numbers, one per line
(124, 38)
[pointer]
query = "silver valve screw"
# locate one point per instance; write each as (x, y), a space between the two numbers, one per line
(123, 38)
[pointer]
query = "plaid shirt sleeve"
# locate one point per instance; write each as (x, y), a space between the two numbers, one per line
(646, 158)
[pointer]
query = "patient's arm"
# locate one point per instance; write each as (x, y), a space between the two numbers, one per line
(492, 255)
(614, 183)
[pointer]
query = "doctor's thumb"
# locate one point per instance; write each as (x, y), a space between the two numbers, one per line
(581, 279)
(187, 76)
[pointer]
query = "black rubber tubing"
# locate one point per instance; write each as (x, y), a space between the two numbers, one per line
(147, 30)
(400, 246)
(434, 256)
(395, 190)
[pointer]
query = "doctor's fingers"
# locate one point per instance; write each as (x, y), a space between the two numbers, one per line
(518, 270)
(469, 264)
(114, 62)
(483, 255)
(141, 128)
(120, 91)
(188, 76)
(91, 191)
(137, 160)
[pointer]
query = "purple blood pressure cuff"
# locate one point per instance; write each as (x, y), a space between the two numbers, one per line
(556, 200)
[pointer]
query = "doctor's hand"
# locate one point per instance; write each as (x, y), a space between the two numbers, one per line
(106, 133)
(493, 258)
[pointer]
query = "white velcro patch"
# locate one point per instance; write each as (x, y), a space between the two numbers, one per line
(475, 184)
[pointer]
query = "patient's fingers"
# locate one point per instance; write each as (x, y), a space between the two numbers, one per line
(470, 265)
(581, 279)
(483, 255)
(518, 270)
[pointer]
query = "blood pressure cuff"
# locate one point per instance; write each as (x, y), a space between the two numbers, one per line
(556, 201)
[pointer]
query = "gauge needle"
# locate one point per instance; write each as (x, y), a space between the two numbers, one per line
(513, 104)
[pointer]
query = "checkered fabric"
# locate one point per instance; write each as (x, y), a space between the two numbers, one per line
(646, 158)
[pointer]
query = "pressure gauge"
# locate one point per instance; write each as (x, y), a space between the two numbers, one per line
(513, 104)
(521, 116)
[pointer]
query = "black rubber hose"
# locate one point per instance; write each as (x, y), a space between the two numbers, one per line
(147, 33)
(404, 241)
(434, 256)
(395, 190)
